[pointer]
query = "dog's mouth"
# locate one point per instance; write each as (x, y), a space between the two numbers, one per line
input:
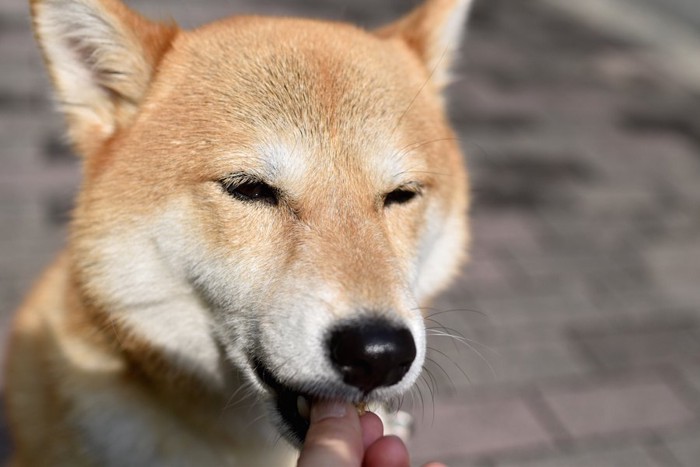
(293, 405)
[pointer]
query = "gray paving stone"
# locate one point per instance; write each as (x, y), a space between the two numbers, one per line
(692, 376)
(488, 275)
(619, 405)
(629, 344)
(686, 448)
(582, 275)
(25, 138)
(676, 267)
(505, 230)
(28, 243)
(21, 52)
(14, 8)
(640, 304)
(537, 362)
(480, 362)
(476, 429)
(522, 309)
(635, 456)
(5, 321)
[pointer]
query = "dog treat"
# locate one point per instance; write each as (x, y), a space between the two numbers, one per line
(303, 407)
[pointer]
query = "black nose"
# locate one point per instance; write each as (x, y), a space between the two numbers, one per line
(372, 354)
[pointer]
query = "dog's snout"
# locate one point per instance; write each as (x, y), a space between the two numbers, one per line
(372, 354)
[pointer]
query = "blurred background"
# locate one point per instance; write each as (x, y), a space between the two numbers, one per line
(573, 336)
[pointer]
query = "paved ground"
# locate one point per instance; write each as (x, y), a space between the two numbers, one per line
(580, 312)
(683, 10)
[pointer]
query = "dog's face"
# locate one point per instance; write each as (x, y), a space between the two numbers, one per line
(279, 194)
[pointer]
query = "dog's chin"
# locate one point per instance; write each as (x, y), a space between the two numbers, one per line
(292, 404)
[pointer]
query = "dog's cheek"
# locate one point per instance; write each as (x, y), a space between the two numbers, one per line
(234, 256)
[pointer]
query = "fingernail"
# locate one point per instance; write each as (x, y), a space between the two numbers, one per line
(327, 409)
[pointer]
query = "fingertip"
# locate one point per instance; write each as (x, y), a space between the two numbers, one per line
(372, 428)
(387, 451)
(334, 437)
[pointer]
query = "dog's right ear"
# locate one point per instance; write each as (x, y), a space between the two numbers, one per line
(433, 30)
(101, 57)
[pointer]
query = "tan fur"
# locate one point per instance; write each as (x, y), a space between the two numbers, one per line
(128, 351)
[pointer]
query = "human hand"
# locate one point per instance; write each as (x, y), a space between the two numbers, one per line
(339, 437)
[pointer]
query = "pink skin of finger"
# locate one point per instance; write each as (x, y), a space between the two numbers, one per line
(339, 437)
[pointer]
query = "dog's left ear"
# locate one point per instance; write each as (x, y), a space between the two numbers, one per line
(101, 57)
(434, 31)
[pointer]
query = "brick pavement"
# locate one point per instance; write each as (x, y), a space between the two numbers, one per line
(580, 312)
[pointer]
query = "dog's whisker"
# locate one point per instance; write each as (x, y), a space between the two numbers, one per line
(112, 323)
(229, 402)
(426, 172)
(438, 333)
(444, 328)
(415, 145)
(451, 310)
(277, 440)
(412, 393)
(450, 332)
(440, 367)
(466, 343)
(420, 90)
(252, 407)
(397, 402)
(248, 391)
(432, 387)
(422, 401)
(245, 387)
(255, 420)
(464, 340)
(482, 151)
(432, 391)
(469, 343)
(461, 370)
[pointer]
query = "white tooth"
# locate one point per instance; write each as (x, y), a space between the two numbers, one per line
(303, 407)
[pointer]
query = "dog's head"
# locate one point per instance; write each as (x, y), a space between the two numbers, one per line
(281, 194)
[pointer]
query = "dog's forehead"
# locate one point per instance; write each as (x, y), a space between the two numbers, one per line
(300, 95)
(316, 74)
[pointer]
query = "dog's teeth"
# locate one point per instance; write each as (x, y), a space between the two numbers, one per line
(303, 407)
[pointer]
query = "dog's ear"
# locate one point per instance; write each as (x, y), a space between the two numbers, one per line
(434, 31)
(101, 57)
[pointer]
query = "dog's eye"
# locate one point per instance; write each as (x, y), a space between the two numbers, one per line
(251, 190)
(399, 196)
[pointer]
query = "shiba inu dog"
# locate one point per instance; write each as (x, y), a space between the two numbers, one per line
(267, 203)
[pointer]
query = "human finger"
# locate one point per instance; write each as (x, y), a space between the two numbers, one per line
(334, 436)
(372, 428)
(387, 451)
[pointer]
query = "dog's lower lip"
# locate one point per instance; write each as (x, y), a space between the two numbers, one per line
(293, 406)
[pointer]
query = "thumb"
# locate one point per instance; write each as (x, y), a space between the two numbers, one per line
(334, 437)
